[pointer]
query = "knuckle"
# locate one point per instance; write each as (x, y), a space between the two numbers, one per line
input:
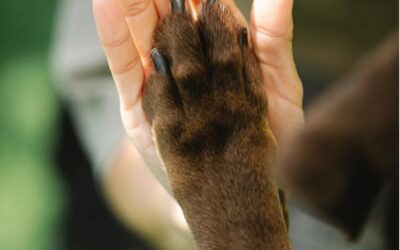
(126, 66)
(118, 42)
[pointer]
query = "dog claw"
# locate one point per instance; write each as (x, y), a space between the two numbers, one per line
(178, 5)
(159, 61)
(243, 39)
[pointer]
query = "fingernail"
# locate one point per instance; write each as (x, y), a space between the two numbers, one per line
(243, 39)
(178, 5)
(159, 61)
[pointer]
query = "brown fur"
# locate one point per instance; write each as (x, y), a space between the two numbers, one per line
(209, 116)
(349, 148)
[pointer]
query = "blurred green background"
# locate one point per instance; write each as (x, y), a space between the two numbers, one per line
(31, 197)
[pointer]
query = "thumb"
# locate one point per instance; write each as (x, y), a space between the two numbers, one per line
(271, 29)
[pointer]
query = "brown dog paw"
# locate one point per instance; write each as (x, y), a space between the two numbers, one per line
(207, 88)
(209, 114)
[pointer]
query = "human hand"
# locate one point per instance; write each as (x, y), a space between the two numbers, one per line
(271, 32)
(126, 28)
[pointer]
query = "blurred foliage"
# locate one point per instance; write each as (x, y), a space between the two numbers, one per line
(25, 26)
(30, 193)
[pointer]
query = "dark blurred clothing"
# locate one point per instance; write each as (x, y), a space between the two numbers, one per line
(88, 222)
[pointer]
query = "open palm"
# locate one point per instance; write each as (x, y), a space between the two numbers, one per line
(126, 27)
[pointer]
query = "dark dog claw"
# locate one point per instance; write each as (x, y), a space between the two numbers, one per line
(178, 5)
(243, 39)
(159, 61)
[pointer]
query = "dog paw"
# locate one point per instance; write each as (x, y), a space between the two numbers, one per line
(208, 110)
(207, 89)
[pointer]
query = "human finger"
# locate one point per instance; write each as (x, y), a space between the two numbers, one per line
(122, 55)
(163, 7)
(142, 18)
(271, 29)
(271, 32)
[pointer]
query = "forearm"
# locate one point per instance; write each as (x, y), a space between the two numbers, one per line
(142, 204)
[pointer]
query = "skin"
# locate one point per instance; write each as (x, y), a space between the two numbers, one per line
(153, 214)
(126, 34)
(126, 29)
